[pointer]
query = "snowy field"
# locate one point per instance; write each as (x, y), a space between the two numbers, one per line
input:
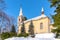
(45, 36)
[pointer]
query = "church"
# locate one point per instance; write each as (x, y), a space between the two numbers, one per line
(39, 24)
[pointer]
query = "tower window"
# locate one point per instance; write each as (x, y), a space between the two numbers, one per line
(41, 25)
(19, 19)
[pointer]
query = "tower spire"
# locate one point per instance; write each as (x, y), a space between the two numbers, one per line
(21, 13)
(42, 10)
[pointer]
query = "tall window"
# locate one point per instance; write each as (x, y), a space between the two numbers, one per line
(41, 25)
(19, 19)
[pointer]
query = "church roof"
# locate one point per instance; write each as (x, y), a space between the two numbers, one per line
(36, 18)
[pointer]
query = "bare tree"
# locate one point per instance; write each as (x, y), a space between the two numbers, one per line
(5, 21)
(2, 5)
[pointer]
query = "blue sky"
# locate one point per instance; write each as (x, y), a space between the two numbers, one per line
(31, 8)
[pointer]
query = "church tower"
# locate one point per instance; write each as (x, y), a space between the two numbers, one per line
(42, 11)
(20, 17)
(42, 14)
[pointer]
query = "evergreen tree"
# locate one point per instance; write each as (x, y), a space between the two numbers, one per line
(56, 17)
(13, 29)
(31, 29)
(23, 28)
(25, 18)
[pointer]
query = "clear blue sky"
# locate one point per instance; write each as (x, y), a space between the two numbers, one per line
(31, 8)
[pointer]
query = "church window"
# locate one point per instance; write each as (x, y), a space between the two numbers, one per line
(19, 19)
(41, 25)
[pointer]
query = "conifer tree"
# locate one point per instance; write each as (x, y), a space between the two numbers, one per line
(31, 29)
(23, 28)
(13, 29)
(56, 17)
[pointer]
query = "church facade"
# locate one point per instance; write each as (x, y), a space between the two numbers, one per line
(40, 24)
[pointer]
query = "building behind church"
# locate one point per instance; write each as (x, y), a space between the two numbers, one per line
(40, 24)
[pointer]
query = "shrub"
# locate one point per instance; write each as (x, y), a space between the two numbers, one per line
(5, 35)
(12, 34)
(23, 35)
(26, 34)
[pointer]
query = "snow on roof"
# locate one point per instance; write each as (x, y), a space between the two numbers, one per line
(39, 17)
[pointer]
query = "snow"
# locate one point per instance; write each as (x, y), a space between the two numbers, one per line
(36, 18)
(46, 36)
(17, 38)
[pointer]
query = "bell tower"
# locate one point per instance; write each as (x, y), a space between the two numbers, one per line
(20, 17)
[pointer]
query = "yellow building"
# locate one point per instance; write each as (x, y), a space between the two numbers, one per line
(41, 24)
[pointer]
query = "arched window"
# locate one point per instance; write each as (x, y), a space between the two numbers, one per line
(41, 25)
(19, 19)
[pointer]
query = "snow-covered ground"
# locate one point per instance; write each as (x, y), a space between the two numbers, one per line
(45, 36)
